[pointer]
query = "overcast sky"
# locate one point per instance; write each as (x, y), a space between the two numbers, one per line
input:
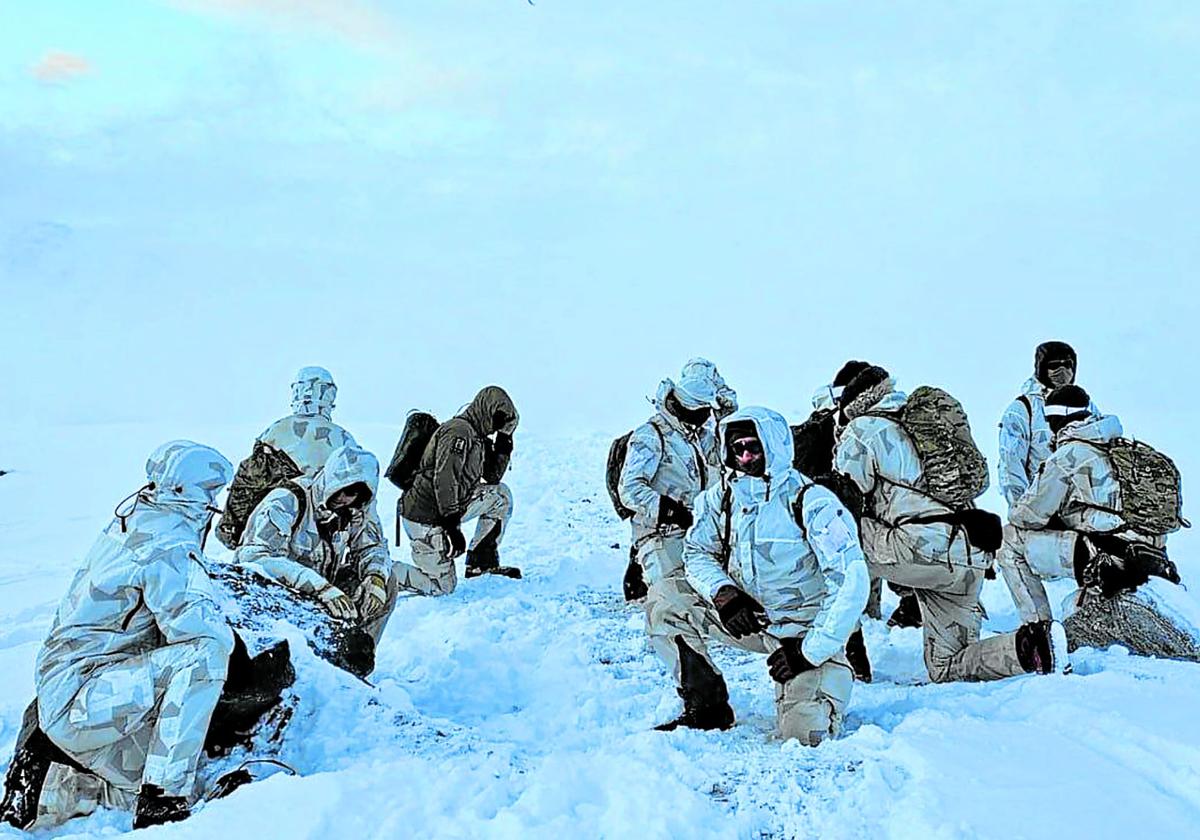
(570, 199)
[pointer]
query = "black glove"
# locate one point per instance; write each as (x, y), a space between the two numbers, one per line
(671, 512)
(503, 444)
(741, 614)
(788, 662)
(1123, 565)
(634, 584)
(458, 543)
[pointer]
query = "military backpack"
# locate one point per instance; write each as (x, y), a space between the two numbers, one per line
(266, 469)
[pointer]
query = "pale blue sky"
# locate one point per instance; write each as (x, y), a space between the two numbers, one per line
(571, 199)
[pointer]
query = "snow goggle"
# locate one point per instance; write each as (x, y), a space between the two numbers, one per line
(746, 446)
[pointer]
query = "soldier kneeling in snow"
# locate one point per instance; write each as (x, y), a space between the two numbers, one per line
(135, 661)
(1083, 517)
(778, 569)
(320, 536)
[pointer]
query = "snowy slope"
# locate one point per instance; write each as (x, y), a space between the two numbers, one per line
(524, 709)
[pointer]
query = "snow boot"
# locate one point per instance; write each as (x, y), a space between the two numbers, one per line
(705, 697)
(253, 687)
(32, 756)
(1042, 648)
(856, 655)
(484, 559)
(634, 584)
(154, 807)
(908, 612)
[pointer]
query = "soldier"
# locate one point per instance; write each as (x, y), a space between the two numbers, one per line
(914, 540)
(1025, 434)
(460, 478)
(320, 536)
(1069, 522)
(134, 663)
(308, 435)
(774, 566)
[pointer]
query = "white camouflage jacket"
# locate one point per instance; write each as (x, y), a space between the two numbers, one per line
(286, 545)
(666, 458)
(1025, 440)
(812, 580)
(143, 589)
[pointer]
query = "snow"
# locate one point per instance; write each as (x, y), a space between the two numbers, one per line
(525, 708)
(198, 197)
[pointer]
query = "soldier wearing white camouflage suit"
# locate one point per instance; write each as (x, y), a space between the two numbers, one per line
(905, 546)
(794, 586)
(1072, 508)
(135, 661)
(309, 434)
(330, 545)
(1025, 436)
(670, 459)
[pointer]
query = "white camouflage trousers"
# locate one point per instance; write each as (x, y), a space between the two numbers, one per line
(433, 571)
(808, 707)
(143, 720)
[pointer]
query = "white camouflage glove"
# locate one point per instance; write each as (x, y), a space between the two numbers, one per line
(336, 602)
(371, 596)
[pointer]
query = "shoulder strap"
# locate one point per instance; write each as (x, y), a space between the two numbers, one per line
(798, 509)
(727, 516)
(301, 502)
(1024, 400)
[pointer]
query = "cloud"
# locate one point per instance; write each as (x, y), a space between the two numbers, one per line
(58, 67)
(353, 21)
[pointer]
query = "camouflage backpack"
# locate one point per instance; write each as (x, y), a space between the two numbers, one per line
(616, 464)
(266, 469)
(953, 470)
(1151, 488)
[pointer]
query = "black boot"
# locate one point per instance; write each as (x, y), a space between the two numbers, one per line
(908, 612)
(705, 698)
(634, 584)
(484, 559)
(32, 756)
(154, 807)
(1034, 649)
(856, 654)
(252, 688)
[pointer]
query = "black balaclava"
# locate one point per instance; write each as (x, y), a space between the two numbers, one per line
(1053, 351)
(738, 430)
(1068, 396)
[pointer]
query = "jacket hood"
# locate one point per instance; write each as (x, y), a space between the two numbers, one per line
(482, 411)
(183, 477)
(776, 437)
(313, 392)
(346, 465)
(1092, 430)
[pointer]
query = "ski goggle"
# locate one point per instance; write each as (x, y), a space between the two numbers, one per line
(746, 446)
(826, 397)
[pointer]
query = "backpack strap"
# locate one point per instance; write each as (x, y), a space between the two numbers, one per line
(1024, 400)
(301, 502)
(727, 518)
(798, 509)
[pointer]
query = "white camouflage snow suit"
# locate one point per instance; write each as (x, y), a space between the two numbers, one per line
(1070, 485)
(1025, 439)
(812, 580)
(284, 542)
(932, 558)
(309, 434)
(132, 669)
(668, 458)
